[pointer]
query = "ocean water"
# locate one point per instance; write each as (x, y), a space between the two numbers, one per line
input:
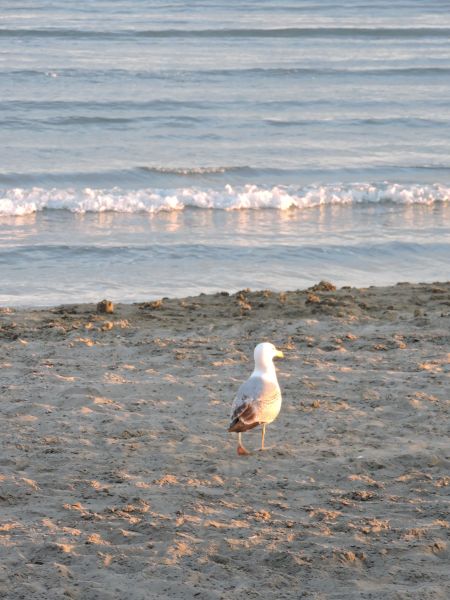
(170, 148)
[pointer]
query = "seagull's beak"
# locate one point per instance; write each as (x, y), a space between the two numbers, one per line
(279, 354)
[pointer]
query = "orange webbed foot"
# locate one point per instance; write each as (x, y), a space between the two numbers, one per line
(242, 451)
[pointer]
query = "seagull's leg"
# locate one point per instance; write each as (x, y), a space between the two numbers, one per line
(241, 450)
(263, 435)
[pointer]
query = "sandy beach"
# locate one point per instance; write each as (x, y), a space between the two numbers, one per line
(118, 478)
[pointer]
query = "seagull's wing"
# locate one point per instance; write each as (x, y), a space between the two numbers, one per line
(256, 401)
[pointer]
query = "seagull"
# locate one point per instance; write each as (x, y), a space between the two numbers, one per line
(258, 400)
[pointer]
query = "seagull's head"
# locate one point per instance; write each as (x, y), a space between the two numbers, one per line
(264, 355)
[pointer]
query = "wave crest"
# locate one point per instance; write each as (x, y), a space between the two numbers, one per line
(22, 201)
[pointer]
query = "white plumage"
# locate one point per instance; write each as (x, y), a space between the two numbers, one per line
(258, 400)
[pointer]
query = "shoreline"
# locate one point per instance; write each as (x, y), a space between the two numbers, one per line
(127, 258)
(118, 478)
(157, 302)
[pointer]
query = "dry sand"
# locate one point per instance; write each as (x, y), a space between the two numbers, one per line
(118, 479)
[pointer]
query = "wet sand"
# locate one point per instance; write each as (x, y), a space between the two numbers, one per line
(118, 478)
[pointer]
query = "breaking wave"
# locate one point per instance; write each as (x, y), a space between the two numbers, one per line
(23, 201)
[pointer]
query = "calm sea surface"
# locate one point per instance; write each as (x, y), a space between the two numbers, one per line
(168, 148)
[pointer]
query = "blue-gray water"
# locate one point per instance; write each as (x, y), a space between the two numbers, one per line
(169, 148)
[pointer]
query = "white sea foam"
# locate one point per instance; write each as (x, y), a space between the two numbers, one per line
(22, 201)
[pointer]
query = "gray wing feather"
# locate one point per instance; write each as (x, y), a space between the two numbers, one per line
(248, 393)
(254, 397)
